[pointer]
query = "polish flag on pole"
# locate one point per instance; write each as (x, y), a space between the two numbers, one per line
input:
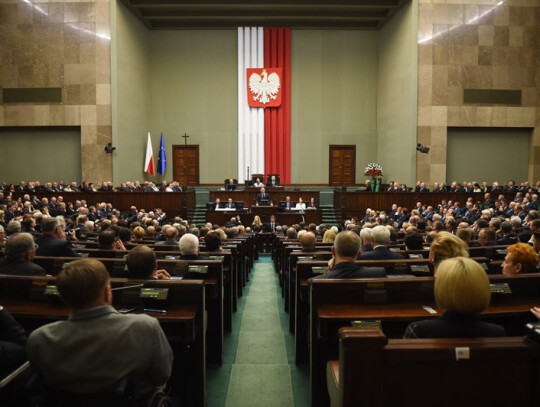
(149, 166)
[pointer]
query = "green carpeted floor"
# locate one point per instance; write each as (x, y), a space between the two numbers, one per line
(258, 367)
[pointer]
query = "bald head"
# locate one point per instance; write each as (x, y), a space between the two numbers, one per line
(307, 241)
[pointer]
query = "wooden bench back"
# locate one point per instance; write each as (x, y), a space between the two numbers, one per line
(377, 371)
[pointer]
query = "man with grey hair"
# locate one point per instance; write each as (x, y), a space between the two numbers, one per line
(380, 237)
(189, 248)
(53, 243)
(365, 237)
(13, 227)
(344, 252)
(20, 251)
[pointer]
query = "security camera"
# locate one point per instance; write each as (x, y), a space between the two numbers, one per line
(109, 148)
(422, 148)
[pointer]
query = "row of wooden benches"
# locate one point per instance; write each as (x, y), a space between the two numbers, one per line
(318, 310)
(198, 308)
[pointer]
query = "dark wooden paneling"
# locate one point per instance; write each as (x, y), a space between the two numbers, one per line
(355, 203)
(172, 203)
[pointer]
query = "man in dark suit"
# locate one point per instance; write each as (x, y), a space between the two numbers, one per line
(141, 263)
(171, 235)
(263, 196)
(20, 252)
(230, 204)
(273, 224)
(273, 182)
(508, 237)
(342, 265)
(487, 237)
(380, 236)
(230, 186)
(189, 248)
(53, 243)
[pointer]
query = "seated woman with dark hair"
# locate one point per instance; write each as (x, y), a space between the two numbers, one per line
(520, 258)
(462, 290)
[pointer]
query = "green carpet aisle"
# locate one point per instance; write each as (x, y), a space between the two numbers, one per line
(258, 367)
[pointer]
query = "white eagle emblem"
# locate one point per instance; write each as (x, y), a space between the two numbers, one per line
(264, 88)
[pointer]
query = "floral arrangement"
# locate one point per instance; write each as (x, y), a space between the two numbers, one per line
(373, 169)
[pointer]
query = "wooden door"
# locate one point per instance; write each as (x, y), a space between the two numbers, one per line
(342, 165)
(186, 164)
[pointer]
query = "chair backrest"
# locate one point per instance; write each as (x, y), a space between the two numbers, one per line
(440, 372)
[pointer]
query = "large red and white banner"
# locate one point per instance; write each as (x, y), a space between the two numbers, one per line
(264, 119)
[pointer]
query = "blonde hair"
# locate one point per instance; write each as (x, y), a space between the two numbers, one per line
(462, 285)
(139, 232)
(446, 245)
(329, 236)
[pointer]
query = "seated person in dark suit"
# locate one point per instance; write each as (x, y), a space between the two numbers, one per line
(141, 263)
(342, 265)
(287, 204)
(20, 251)
(508, 236)
(413, 241)
(380, 236)
(462, 290)
(365, 237)
(171, 235)
(263, 198)
(12, 343)
(189, 248)
(273, 181)
(487, 237)
(307, 242)
(230, 204)
(256, 225)
(272, 225)
(230, 186)
(103, 345)
(53, 243)
(212, 241)
(108, 240)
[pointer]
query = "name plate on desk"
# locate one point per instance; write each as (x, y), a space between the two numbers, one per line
(305, 258)
(198, 269)
(419, 268)
(51, 290)
(375, 323)
(320, 270)
(500, 289)
(217, 257)
(154, 293)
(415, 256)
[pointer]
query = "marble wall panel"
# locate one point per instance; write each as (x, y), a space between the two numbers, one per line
(61, 43)
(475, 44)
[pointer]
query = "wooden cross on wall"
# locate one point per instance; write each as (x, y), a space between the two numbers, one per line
(185, 137)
